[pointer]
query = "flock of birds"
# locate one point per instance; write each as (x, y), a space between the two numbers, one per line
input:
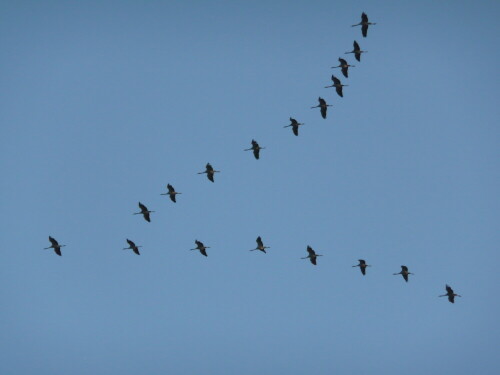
(294, 124)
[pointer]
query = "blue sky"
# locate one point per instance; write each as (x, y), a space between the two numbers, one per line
(104, 103)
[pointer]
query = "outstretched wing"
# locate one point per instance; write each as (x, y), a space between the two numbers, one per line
(323, 111)
(364, 30)
(259, 242)
(339, 91)
(311, 251)
(53, 241)
(256, 152)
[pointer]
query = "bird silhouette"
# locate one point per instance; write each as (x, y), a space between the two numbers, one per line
(338, 86)
(344, 66)
(55, 245)
(404, 272)
(362, 266)
(322, 106)
(312, 255)
(364, 24)
(171, 192)
(202, 248)
(450, 294)
(210, 171)
(260, 245)
(357, 51)
(255, 148)
(295, 126)
(144, 212)
(133, 246)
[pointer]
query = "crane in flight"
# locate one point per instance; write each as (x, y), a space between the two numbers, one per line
(202, 248)
(171, 192)
(210, 171)
(312, 255)
(255, 148)
(295, 126)
(260, 245)
(132, 246)
(404, 272)
(344, 66)
(55, 245)
(362, 266)
(364, 24)
(144, 212)
(338, 86)
(450, 294)
(357, 51)
(322, 106)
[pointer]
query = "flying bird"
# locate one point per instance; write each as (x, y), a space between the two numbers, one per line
(260, 245)
(295, 126)
(132, 246)
(362, 266)
(450, 294)
(210, 171)
(322, 105)
(357, 51)
(55, 245)
(312, 255)
(171, 192)
(344, 65)
(144, 212)
(255, 148)
(201, 247)
(404, 272)
(364, 24)
(338, 86)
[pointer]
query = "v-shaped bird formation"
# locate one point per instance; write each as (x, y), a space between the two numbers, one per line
(256, 148)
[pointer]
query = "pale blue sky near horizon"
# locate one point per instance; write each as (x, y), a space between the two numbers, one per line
(102, 103)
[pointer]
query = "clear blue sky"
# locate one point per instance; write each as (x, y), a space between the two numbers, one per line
(105, 102)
